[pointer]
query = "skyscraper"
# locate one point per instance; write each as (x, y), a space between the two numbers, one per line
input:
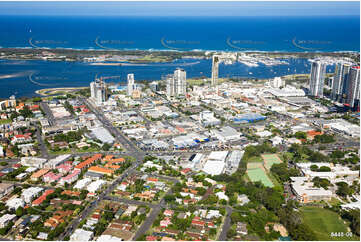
(180, 82)
(170, 85)
(339, 81)
(176, 84)
(317, 76)
(353, 87)
(98, 91)
(131, 86)
(215, 68)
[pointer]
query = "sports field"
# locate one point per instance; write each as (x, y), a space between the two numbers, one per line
(270, 159)
(256, 172)
(323, 222)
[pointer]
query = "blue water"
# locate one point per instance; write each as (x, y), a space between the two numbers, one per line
(292, 34)
(23, 78)
(183, 33)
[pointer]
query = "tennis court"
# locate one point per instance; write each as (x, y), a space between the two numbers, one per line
(270, 159)
(253, 165)
(258, 174)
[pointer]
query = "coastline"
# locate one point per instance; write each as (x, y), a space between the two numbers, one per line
(57, 91)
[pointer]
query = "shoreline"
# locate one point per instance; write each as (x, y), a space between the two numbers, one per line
(46, 92)
(300, 51)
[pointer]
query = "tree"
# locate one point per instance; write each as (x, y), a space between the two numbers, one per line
(303, 232)
(106, 147)
(19, 211)
(169, 198)
(321, 182)
(343, 189)
(314, 168)
(283, 173)
(354, 217)
(324, 138)
(338, 154)
(300, 135)
(324, 169)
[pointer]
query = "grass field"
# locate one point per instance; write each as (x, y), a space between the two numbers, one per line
(323, 222)
(258, 174)
(5, 121)
(255, 159)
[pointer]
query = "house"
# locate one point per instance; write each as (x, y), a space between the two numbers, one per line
(222, 196)
(213, 214)
(70, 178)
(57, 218)
(243, 199)
(6, 219)
(173, 232)
(14, 203)
(6, 188)
(82, 235)
(42, 198)
(71, 193)
(64, 168)
(96, 185)
(119, 213)
(241, 228)
(165, 222)
(168, 213)
(151, 238)
(101, 170)
(198, 223)
(29, 193)
(194, 236)
(147, 195)
(21, 138)
(312, 133)
(51, 177)
(88, 162)
(42, 236)
(185, 171)
(35, 176)
(152, 180)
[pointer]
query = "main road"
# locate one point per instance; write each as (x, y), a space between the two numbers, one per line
(131, 149)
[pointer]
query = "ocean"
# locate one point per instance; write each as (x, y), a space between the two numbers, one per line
(279, 34)
(183, 33)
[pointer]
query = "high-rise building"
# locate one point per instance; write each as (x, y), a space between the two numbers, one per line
(353, 87)
(170, 85)
(98, 91)
(339, 83)
(180, 82)
(277, 82)
(317, 76)
(215, 68)
(176, 84)
(131, 85)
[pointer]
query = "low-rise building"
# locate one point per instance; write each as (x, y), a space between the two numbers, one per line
(70, 178)
(6, 219)
(52, 163)
(14, 203)
(33, 161)
(305, 192)
(6, 188)
(30, 193)
(82, 235)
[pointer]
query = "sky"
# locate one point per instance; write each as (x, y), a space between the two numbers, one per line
(309, 8)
